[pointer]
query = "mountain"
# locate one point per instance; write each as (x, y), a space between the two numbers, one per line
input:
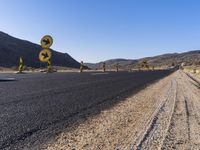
(165, 60)
(11, 49)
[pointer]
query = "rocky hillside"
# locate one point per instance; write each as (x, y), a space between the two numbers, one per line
(12, 48)
(166, 60)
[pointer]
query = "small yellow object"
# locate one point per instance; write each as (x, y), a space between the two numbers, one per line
(21, 64)
(45, 55)
(49, 67)
(81, 66)
(46, 41)
(104, 67)
(145, 65)
(117, 67)
(130, 68)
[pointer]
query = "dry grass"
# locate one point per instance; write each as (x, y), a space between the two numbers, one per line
(193, 69)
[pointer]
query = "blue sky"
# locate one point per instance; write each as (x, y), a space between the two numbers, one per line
(96, 30)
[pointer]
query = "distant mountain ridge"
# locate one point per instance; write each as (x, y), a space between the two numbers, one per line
(188, 58)
(12, 48)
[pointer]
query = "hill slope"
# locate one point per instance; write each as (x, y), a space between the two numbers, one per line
(189, 58)
(12, 48)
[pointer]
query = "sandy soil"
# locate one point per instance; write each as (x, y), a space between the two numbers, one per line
(165, 115)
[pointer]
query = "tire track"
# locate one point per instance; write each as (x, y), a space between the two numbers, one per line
(192, 96)
(159, 123)
(183, 131)
(188, 117)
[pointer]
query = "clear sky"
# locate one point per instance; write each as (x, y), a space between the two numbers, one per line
(96, 30)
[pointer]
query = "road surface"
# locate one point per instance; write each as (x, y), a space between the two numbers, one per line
(37, 107)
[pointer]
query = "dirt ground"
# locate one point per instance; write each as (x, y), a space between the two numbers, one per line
(165, 115)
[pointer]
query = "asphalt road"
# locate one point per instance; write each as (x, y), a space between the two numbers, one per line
(35, 102)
